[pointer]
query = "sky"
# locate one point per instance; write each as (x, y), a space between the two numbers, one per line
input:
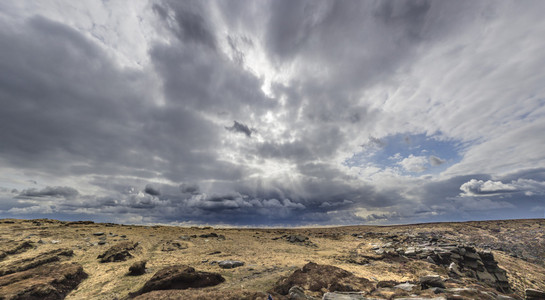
(272, 113)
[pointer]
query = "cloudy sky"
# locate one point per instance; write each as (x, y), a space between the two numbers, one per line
(272, 113)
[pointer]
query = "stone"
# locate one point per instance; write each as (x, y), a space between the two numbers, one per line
(314, 277)
(138, 268)
(118, 252)
(533, 294)
(486, 277)
(98, 233)
(49, 281)
(343, 296)
(406, 286)
(297, 293)
(179, 277)
(230, 264)
(431, 281)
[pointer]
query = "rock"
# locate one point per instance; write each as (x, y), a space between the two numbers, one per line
(314, 277)
(137, 268)
(230, 264)
(35, 261)
(51, 281)
(344, 296)
(208, 235)
(296, 238)
(297, 293)
(118, 252)
(431, 281)
(533, 294)
(174, 245)
(101, 243)
(16, 249)
(54, 241)
(406, 286)
(179, 277)
(98, 233)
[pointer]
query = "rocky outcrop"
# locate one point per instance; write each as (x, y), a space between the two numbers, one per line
(45, 282)
(11, 249)
(463, 260)
(179, 277)
(118, 252)
(322, 278)
(35, 261)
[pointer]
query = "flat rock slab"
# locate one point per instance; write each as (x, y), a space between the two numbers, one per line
(118, 252)
(47, 282)
(178, 278)
(230, 264)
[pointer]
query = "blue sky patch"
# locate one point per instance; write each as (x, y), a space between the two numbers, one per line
(409, 153)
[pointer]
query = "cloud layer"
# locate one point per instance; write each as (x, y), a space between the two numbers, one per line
(276, 113)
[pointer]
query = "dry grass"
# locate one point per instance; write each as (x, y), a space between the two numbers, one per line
(266, 260)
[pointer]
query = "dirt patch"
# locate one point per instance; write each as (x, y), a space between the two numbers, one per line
(192, 294)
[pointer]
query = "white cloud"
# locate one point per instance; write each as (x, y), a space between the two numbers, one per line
(413, 163)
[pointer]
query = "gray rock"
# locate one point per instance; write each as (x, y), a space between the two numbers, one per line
(534, 294)
(98, 233)
(344, 296)
(229, 264)
(297, 293)
(406, 286)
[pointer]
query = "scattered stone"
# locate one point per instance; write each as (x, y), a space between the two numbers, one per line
(138, 268)
(118, 252)
(230, 264)
(214, 253)
(101, 243)
(174, 245)
(179, 277)
(54, 241)
(98, 233)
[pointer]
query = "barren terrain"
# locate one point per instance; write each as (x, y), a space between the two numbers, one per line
(49, 259)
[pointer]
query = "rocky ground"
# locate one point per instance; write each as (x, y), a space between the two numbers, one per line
(49, 259)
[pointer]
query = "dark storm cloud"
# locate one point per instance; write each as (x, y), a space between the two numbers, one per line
(242, 128)
(150, 190)
(50, 191)
(70, 110)
(191, 25)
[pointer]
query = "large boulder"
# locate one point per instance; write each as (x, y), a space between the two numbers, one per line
(118, 252)
(322, 278)
(45, 282)
(178, 278)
